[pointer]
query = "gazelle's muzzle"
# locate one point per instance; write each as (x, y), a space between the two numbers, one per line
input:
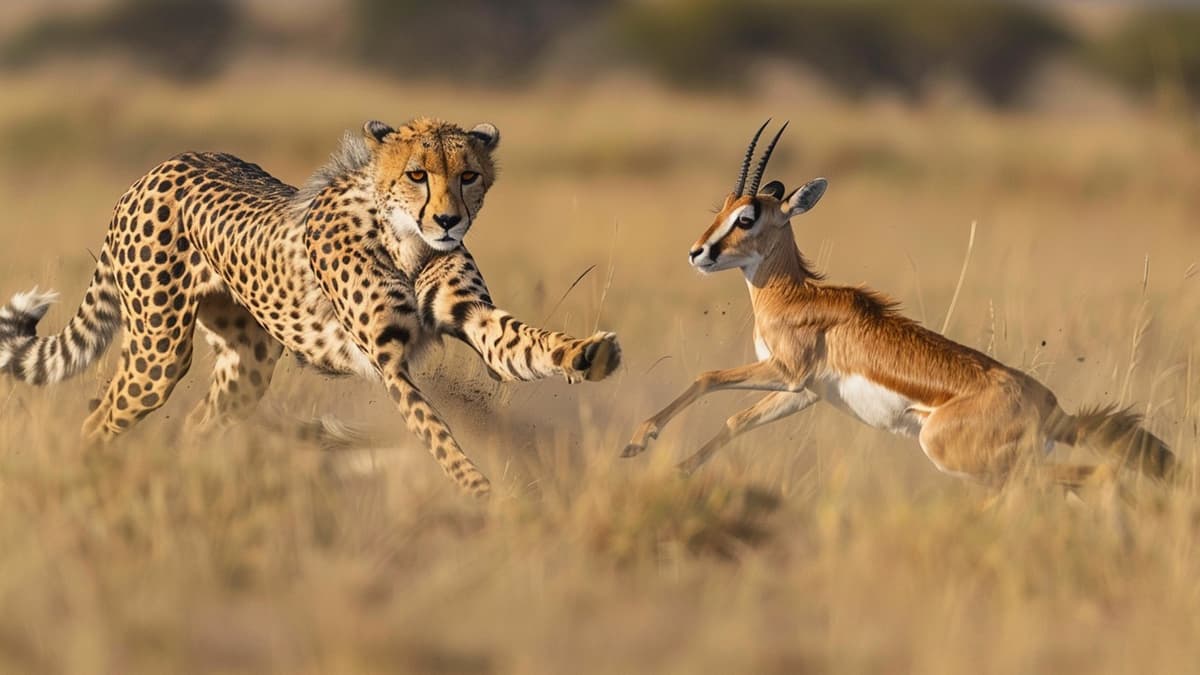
(704, 256)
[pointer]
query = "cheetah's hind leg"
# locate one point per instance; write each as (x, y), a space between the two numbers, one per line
(324, 431)
(245, 357)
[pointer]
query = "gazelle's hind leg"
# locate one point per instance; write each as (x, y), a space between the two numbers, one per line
(1078, 475)
(990, 435)
(244, 361)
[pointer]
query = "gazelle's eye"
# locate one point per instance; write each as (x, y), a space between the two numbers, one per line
(745, 222)
(469, 177)
(416, 176)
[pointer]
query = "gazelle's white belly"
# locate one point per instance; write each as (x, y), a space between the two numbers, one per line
(871, 403)
(761, 350)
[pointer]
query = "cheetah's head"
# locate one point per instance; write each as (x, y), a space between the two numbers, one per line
(431, 177)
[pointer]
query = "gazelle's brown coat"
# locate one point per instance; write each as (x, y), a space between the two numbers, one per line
(972, 415)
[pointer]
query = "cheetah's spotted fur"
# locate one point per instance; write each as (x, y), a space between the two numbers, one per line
(353, 273)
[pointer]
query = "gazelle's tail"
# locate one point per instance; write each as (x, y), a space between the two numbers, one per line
(1118, 433)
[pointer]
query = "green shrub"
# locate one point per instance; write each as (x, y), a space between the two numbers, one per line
(1155, 48)
(183, 39)
(856, 44)
(474, 39)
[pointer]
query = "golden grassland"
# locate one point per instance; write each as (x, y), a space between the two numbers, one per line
(813, 545)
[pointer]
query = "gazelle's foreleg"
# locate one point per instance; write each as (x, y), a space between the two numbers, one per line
(764, 376)
(773, 407)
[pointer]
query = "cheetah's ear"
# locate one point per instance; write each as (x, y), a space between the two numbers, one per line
(376, 131)
(487, 135)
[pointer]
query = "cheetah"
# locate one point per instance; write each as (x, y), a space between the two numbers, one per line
(355, 273)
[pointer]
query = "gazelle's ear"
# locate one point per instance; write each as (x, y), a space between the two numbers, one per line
(773, 189)
(805, 197)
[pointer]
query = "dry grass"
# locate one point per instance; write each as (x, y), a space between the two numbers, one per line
(814, 545)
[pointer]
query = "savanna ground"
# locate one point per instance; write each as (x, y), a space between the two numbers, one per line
(813, 545)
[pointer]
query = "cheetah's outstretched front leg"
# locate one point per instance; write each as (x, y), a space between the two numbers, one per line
(380, 318)
(388, 334)
(453, 293)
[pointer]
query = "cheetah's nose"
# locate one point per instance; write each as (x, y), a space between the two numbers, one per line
(447, 220)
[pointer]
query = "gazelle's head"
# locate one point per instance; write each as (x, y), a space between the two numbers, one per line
(752, 222)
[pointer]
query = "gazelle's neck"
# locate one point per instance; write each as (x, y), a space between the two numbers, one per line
(780, 275)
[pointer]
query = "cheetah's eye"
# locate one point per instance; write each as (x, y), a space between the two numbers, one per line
(416, 176)
(469, 177)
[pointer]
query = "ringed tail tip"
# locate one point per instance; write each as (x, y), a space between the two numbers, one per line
(33, 303)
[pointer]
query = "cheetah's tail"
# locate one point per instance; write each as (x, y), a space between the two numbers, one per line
(53, 358)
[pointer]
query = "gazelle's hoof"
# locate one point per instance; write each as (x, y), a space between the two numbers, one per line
(645, 433)
(689, 466)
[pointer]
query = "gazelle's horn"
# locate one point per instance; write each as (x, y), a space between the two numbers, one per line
(762, 164)
(741, 181)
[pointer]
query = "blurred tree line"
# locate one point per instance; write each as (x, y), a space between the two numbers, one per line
(182, 39)
(994, 46)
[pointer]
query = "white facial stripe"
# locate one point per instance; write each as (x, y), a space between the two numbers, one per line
(730, 222)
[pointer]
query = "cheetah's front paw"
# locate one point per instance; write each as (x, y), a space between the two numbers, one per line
(593, 358)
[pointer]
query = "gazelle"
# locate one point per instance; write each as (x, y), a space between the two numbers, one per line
(973, 416)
